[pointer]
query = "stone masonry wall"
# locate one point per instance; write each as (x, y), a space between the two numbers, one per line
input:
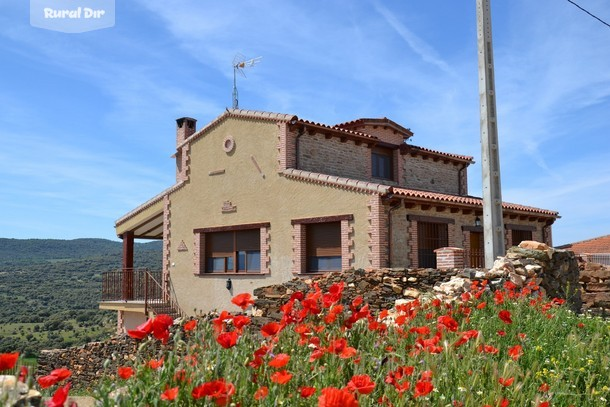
(334, 157)
(595, 282)
(430, 175)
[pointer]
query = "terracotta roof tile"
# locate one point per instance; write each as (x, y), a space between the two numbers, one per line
(339, 130)
(416, 149)
(253, 114)
(467, 200)
(377, 121)
(346, 183)
(599, 244)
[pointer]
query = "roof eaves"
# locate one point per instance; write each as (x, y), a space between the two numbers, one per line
(468, 201)
(250, 114)
(340, 182)
(411, 149)
(148, 203)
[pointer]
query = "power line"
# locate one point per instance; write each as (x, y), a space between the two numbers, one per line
(592, 15)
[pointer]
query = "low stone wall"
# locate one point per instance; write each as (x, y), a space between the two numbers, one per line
(595, 282)
(379, 288)
(87, 362)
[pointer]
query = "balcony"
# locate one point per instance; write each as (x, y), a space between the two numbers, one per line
(138, 290)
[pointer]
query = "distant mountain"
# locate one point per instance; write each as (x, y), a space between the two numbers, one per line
(55, 249)
(49, 290)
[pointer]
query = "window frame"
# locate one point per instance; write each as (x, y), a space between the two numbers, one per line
(204, 252)
(383, 152)
(301, 263)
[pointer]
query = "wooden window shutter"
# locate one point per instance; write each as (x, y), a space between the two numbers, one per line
(219, 244)
(248, 240)
(324, 239)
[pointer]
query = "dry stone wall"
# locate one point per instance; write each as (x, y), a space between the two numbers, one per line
(595, 282)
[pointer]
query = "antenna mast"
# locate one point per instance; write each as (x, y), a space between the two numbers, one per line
(239, 63)
(493, 224)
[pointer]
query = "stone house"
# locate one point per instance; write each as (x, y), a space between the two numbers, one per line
(263, 197)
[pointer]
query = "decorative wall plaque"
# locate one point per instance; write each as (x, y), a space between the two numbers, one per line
(228, 144)
(228, 207)
(182, 247)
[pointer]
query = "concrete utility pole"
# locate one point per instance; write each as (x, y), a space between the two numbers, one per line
(493, 225)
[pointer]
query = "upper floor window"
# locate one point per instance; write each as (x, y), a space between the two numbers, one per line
(382, 163)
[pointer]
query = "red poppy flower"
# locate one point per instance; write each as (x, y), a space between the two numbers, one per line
(270, 329)
(504, 315)
(544, 387)
(447, 322)
(492, 350)
(227, 339)
(141, 331)
(47, 381)
(125, 372)
(481, 305)
(281, 377)
(361, 384)
(422, 387)
(239, 321)
(218, 390)
(506, 382)
(243, 301)
(261, 393)
(61, 374)
(279, 360)
(190, 325)
(8, 360)
(59, 397)
(306, 392)
(155, 363)
(333, 397)
(504, 403)
(515, 352)
(170, 394)
(544, 404)
(23, 374)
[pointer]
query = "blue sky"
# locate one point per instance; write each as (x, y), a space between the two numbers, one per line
(87, 124)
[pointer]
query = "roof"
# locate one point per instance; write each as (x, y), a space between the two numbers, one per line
(406, 133)
(467, 200)
(249, 114)
(340, 131)
(373, 187)
(599, 244)
(341, 182)
(415, 150)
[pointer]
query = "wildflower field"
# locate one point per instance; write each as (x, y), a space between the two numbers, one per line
(506, 347)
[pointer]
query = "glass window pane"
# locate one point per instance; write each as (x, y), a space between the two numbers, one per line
(325, 263)
(230, 263)
(216, 264)
(241, 261)
(254, 261)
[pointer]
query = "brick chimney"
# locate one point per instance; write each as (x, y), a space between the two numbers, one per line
(185, 127)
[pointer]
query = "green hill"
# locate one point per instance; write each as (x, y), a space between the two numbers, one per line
(49, 290)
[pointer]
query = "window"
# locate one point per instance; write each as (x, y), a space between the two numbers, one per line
(234, 251)
(382, 163)
(430, 236)
(323, 246)
(520, 235)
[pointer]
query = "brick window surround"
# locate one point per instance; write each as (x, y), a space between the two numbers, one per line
(415, 241)
(299, 241)
(202, 255)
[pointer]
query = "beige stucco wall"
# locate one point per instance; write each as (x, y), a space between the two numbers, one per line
(272, 198)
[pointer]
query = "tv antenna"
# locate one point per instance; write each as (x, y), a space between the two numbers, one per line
(239, 63)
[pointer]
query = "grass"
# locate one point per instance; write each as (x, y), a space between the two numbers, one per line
(425, 354)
